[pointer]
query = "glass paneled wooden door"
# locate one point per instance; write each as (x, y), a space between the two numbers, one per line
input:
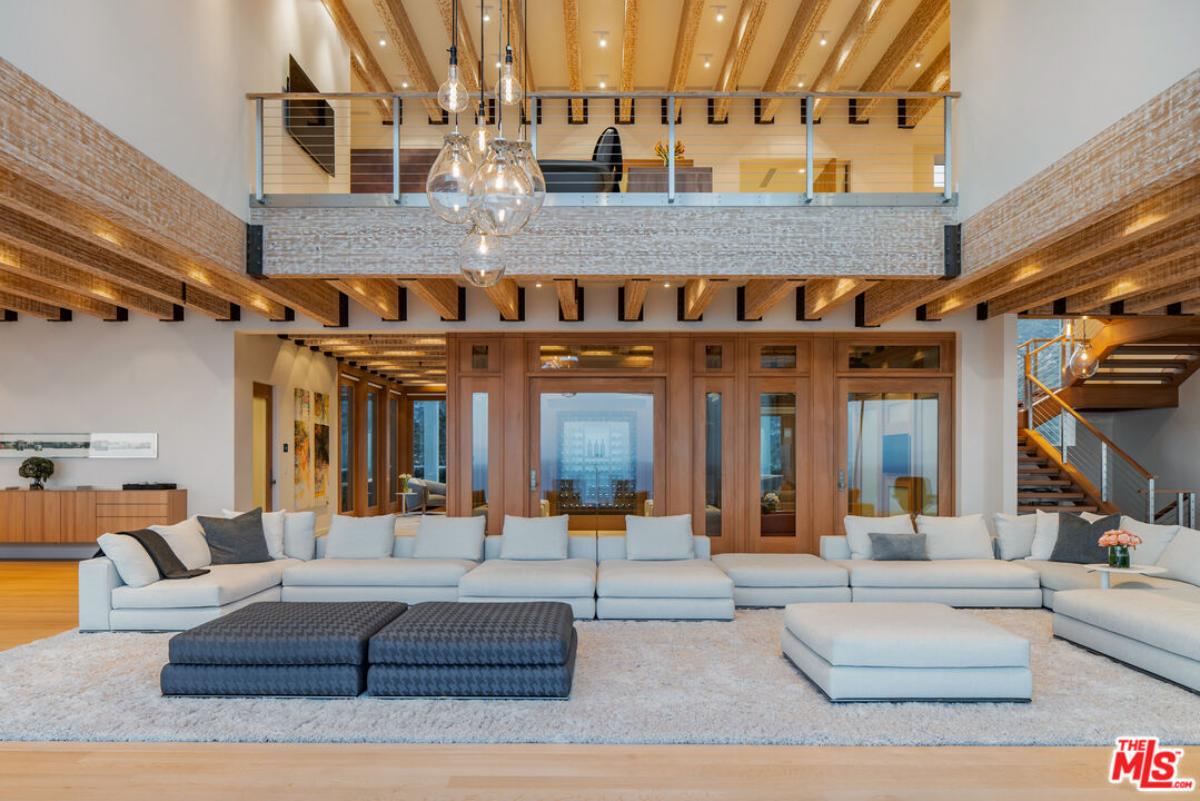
(895, 440)
(778, 477)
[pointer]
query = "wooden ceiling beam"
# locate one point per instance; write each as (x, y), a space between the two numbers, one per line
(787, 62)
(822, 295)
(1150, 217)
(440, 294)
(850, 44)
(404, 37)
(574, 58)
(635, 297)
(760, 295)
(23, 305)
(468, 56)
(685, 46)
(380, 296)
(314, 298)
(1138, 281)
(56, 274)
(741, 40)
(568, 298)
(1183, 292)
(516, 21)
(935, 78)
(698, 294)
(15, 284)
(361, 57)
(505, 295)
(903, 52)
(629, 45)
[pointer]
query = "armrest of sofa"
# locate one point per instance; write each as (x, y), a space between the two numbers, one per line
(835, 547)
(97, 579)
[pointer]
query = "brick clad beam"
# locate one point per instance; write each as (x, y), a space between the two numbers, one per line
(787, 62)
(23, 305)
(14, 284)
(741, 40)
(1157, 299)
(849, 46)
(1138, 281)
(900, 56)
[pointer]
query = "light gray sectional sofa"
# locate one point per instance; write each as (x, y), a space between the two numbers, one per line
(676, 587)
(571, 580)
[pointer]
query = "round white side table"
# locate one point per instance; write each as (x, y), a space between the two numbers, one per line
(1133, 570)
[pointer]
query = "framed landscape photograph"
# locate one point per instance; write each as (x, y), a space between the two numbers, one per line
(51, 446)
(123, 446)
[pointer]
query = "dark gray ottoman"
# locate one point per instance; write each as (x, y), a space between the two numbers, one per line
(476, 650)
(274, 648)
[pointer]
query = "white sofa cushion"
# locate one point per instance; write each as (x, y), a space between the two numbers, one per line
(1046, 532)
(441, 537)
(526, 578)
(133, 564)
(658, 538)
(300, 535)
(273, 525)
(186, 540)
(1155, 539)
(1015, 535)
(780, 570)
(965, 537)
(1167, 623)
(1182, 557)
(1062, 576)
(956, 573)
(224, 584)
(389, 572)
(689, 578)
(361, 537)
(534, 537)
(859, 530)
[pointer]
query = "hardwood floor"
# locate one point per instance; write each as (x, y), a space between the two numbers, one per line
(38, 599)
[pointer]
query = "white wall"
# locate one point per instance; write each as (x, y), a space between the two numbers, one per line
(1164, 441)
(1040, 77)
(171, 77)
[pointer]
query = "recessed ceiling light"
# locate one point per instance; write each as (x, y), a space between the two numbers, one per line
(666, 284)
(602, 39)
(404, 84)
(603, 85)
(800, 84)
(917, 65)
(497, 65)
(822, 41)
(720, 16)
(801, 171)
(487, 17)
(537, 285)
(707, 63)
(383, 42)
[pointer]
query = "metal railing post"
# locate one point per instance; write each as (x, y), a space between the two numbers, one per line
(395, 149)
(671, 149)
(1105, 474)
(948, 172)
(258, 149)
(1150, 500)
(1191, 523)
(808, 149)
(1178, 509)
(534, 106)
(1062, 437)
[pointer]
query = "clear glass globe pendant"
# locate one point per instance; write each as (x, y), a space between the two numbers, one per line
(482, 258)
(448, 186)
(501, 192)
(523, 153)
(1083, 363)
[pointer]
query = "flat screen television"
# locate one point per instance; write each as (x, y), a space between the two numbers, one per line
(309, 122)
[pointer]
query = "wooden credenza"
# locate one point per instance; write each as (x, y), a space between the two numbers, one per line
(80, 516)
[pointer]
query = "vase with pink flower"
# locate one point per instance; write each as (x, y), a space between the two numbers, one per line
(1119, 542)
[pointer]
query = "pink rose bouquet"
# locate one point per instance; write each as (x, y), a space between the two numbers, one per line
(1115, 537)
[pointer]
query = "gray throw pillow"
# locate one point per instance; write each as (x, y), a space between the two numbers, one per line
(236, 541)
(1077, 539)
(898, 547)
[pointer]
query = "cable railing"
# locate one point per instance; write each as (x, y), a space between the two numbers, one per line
(620, 148)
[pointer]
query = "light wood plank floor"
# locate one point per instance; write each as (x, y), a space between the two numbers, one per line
(38, 599)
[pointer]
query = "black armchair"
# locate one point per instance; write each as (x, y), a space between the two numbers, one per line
(602, 174)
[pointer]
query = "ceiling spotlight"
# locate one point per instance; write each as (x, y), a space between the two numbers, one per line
(720, 13)
(917, 65)
(383, 42)
(498, 65)
(666, 284)
(707, 63)
(822, 41)
(537, 285)
(603, 38)
(404, 84)
(603, 85)
(487, 17)
(800, 84)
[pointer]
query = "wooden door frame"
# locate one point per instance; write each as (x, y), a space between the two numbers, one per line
(267, 393)
(459, 485)
(727, 540)
(353, 383)
(641, 385)
(943, 385)
(753, 540)
(380, 392)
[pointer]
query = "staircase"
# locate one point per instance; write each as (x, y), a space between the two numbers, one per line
(1044, 483)
(1142, 363)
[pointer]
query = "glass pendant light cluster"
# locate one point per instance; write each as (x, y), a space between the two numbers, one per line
(483, 179)
(1082, 363)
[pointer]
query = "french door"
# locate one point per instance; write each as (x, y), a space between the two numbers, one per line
(895, 445)
(596, 450)
(778, 475)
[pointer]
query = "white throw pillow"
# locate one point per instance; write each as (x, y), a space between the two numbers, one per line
(133, 564)
(1182, 557)
(300, 535)
(1155, 539)
(859, 531)
(440, 537)
(272, 530)
(659, 538)
(361, 537)
(1046, 533)
(1015, 533)
(965, 537)
(534, 538)
(187, 541)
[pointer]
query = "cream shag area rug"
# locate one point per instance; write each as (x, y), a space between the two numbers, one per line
(635, 682)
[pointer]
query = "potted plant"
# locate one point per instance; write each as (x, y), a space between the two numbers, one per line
(660, 150)
(1118, 541)
(404, 479)
(38, 468)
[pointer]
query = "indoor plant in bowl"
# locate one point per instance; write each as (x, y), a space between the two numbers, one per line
(39, 468)
(1119, 541)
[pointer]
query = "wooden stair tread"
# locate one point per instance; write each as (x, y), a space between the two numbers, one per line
(1030, 509)
(1044, 482)
(1132, 376)
(1049, 496)
(1037, 471)
(1176, 365)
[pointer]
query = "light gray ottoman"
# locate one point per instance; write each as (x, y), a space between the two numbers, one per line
(905, 651)
(779, 579)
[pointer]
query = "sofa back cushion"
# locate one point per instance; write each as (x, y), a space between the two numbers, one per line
(1015, 534)
(273, 523)
(441, 537)
(361, 537)
(534, 538)
(1078, 539)
(186, 540)
(1046, 532)
(858, 531)
(965, 537)
(133, 564)
(1155, 539)
(300, 535)
(658, 538)
(1181, 557)
(236, 541)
